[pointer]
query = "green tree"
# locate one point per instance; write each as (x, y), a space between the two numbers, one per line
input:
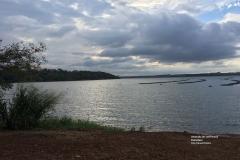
(18, 57)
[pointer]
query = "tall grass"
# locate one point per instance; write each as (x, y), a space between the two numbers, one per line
(28, 110)
(70, 124)
(28, 106)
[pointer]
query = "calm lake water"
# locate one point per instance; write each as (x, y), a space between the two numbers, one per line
(193, 107)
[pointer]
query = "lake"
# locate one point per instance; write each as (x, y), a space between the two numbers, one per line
(205, 107)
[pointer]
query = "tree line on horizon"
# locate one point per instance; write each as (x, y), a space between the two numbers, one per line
(29, 106)
(20, 62)
(46, 75)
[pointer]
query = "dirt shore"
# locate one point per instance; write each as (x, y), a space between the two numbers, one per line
(96, 145)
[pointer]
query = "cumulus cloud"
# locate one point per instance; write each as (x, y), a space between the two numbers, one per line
(125, 36)
(231, 17)
(171, 38)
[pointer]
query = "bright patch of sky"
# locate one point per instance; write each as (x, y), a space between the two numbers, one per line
(219, 12)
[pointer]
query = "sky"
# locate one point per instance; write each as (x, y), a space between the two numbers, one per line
(129, 37)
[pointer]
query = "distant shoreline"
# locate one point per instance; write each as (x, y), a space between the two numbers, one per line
(185, 75)
(54, 75)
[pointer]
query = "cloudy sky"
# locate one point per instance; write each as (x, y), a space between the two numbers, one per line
(129, 37)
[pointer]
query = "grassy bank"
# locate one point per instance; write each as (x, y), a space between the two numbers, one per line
(70, 124)
(29, 108)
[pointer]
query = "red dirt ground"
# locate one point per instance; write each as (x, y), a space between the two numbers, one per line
(97, 145)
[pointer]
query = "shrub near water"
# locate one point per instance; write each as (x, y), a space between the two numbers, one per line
(28, 106)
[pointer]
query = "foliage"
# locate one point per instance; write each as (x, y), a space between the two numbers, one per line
(21, 56)
(28, 106)
(44, 75)
(20, 62)
(68, 123)
(17, 57)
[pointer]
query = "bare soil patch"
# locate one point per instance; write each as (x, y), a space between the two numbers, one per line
(98, 145)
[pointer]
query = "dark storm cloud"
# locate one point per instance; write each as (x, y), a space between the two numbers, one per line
(171, 38)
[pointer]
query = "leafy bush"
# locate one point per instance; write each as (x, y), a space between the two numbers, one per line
(28, 106)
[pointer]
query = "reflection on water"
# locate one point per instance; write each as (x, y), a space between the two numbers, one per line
(194, 107)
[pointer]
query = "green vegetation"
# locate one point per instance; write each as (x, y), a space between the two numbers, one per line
(17, 58)
(70, 124)
(28, 106)
(46, 75)
(29, 109)
(20, 62)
